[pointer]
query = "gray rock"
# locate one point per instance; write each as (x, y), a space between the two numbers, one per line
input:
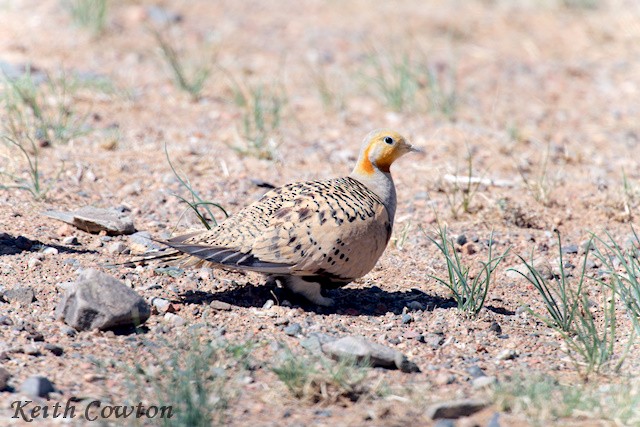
(23, 295)
(99, 301)
(570, 249)
(4, 378)
(415, 306)
(268, 304)
(54, 349)
(37, 386)
(293, 329)
(406, 319)
(475, 372)
(507, 354)
(445, 423)
(50, 251)
(495, 327)
(461, 240)
(141, 242)
(70, 241)
(364, 351)
(314, 342)
(495, 420)
(220, 305)
(175, 320)
(455, 409)
(117, 248)
(95, 220)
(483, 382)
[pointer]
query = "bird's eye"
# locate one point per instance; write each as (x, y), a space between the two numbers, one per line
(388, 140)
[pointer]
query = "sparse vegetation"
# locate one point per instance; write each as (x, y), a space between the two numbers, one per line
(316, 380)
(531, 396)
(261, 110)
(30, 152)
(407, 84)
(463, 188)
(539, 184)
(194, 381)
(195, 203)
(469, 292)
(590, 340)
(41, 106)
(188, 74)
(89, 14)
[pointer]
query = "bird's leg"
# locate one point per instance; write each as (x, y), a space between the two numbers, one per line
(309, 290)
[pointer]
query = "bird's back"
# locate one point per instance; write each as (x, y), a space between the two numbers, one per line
(333, 230)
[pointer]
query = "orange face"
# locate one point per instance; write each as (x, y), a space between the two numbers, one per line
(383, 147)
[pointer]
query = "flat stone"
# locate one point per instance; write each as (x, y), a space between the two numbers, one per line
(220, 305)
(314, 342)
(24, 295)
(99, 301)
(95, 220)
(454, 409)
(37, 386)
(364, 351)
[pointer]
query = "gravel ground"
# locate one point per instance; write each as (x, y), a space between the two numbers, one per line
(541, 96)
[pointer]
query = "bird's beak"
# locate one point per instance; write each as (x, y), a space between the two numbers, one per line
(414, 149)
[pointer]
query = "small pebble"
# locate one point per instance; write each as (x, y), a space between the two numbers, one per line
(117, 248)
(483, 382)
(70, 241)
(50, 251)
(268, 304)
(55, 349)
(293, 329)
(495, 327)
(475, 371)
(406, 319)
(415, 305)
(174, 319)
(507, 354)
(37, 386)
(34, 262)
(461, 240)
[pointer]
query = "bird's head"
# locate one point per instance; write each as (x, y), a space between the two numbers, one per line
(380, 149)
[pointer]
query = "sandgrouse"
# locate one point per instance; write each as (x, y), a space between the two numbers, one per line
(309, 235)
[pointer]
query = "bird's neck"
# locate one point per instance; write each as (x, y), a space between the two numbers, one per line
(379, 182)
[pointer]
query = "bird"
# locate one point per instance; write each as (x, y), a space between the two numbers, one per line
(308, 236)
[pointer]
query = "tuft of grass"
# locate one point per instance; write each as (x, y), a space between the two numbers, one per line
(469, 294)
(625, 278)
(332, 99)
(395, 79)
(194, 381)
(89, 14)
(539, 185)
(530, 396)
(405, 83)
(189, 78)
(261, 111)
(41, 106)
(33, 182)
(196, 203)
(590, 340)
(463, 191)
(317, 380)
(561, 301)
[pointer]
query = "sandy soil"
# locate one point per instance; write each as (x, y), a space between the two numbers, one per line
(546, 100)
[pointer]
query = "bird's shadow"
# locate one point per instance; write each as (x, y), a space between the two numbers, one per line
(10, 245)
(371, 301)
